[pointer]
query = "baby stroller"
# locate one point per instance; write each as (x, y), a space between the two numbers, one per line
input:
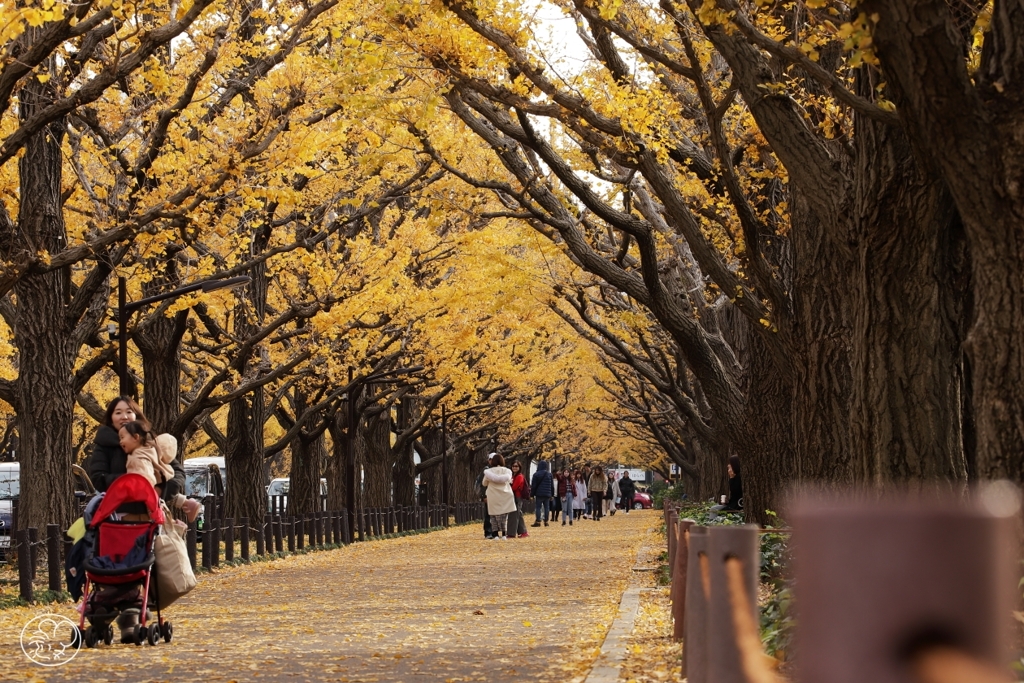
(120, 565)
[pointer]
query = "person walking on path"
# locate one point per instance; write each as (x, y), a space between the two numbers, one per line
(627, 489)
(567, 489)
(598, 484)
(501, 502)
(543, 488)
(521, 492)
(587, 504)
(580, 499)
(612, 494)
(558, 504)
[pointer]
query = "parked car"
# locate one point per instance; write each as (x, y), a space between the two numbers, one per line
(10, 488)
(278, 489)
(199, 477)
(642, 501)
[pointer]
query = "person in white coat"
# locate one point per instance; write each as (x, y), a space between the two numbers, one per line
(500, 499)
(579, 502)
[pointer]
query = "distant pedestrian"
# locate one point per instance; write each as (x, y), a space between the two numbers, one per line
(597, 486)
(568, 495)
(522, 492)
(585, 478)
(558, 503)
(612, 494)
(627, 490)
(500, 500)
(542, 487)
(580, 497)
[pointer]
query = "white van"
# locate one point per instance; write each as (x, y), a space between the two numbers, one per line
(280, 486)
(199, 481)
(10, 488)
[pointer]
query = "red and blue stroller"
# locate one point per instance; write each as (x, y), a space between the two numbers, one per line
(120, 567)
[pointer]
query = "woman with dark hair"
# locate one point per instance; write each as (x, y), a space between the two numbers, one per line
(108, 461)
(734, 502)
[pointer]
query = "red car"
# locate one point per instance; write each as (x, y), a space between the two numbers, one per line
(641, 501)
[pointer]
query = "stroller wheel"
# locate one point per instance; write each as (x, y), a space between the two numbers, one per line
(140, 635)
(154, 634)
(76, 639)
(168, 631)
(90, 637)
(109, 637)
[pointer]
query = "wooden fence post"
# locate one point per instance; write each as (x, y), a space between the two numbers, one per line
(679, 577)
(268, 535)
(33, 540)
(243, 525)
(884, 585)
(229, 540)
(190, 545)
(53, 563)
(278, 538)
(24, 564)
(741, 541)
(698, 595)
(299, 526)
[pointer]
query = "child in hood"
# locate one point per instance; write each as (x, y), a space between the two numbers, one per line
(151, 458)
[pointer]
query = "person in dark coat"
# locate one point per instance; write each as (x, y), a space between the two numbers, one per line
(734, 503)
(108, 462)
(542, 487)
(627, 490)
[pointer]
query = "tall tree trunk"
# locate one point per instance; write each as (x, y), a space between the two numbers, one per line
(336, 470)
(159, 343)
(44, 393)
(307, 466)
(379, 463)
(244, 455)
(908, 313)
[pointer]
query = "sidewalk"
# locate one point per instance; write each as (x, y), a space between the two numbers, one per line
(443, 606)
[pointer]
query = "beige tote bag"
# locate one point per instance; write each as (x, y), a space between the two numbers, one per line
(174, 575)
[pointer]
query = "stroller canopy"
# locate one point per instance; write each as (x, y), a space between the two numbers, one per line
(129, 488)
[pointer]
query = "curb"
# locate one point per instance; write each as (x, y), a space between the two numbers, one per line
(613, 649)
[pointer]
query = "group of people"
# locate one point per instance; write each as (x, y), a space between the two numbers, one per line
(586, 493)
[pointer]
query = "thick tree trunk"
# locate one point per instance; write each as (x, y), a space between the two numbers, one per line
(379, 463)
(243, 457)
(44, 387)
(336, 470)
(908, 314)
(160, 346)
(307, 466)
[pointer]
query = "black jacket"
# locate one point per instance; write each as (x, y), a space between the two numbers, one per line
(108, 462)
(627, 488)
(542, 485)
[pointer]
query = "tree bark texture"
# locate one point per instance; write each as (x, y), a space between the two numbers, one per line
(160, 346)
(379, 463)
(44, 393)
(971, 128)
(308, 454)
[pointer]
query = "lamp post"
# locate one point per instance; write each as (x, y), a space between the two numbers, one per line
(125, 309)
(355, 388)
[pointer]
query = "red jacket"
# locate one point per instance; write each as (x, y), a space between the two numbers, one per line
(563, 485)
(519, 486)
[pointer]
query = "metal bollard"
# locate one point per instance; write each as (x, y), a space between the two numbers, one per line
(679, 577)
(698, 595)
(724, 658)
(909, 579)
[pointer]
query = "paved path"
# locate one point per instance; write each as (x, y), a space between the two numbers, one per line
(443, 606)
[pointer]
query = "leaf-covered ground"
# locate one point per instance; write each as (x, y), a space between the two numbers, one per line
(444, 606)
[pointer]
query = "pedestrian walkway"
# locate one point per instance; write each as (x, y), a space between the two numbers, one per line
(443, 606)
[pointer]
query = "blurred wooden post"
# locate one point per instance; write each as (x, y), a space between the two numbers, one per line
(190, 544)
(298, 524)
(33, 540)
(244, 530)
(725, 664)
(908, 579)
(677, 592)
(673, 519)
(698, 594)
(53, 563)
